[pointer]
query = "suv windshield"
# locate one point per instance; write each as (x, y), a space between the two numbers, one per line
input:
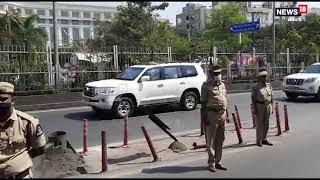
(130, 73)
(312, 69)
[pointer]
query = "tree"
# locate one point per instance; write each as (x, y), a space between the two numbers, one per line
(16, 30)
(218, 29)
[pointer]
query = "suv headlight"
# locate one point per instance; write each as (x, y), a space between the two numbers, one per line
(106, 90)
(284, 79)
(310, 80)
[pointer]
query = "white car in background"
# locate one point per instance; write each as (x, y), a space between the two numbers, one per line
(144, 85)
(305, 83)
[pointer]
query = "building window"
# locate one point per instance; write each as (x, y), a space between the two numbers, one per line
(107, 15)
(41, 21)
(86, 15)
(28, 11)
(75, 14)
(50, 21)
(43, 28)
(41, 12)
(179, 20)
(10, 8)
(187, 18)
(65, 36)
(64, 21)
(86, 33)
(19, 10)
(75, 22)
(51, 34)
(50, 12)
(64, 13)
(97, 15)
(85, 22)
(75, 34)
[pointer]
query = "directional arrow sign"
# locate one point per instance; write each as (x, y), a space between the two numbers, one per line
(245, 27)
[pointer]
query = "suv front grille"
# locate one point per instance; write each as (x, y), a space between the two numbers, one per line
(88, 91)
(294, 81)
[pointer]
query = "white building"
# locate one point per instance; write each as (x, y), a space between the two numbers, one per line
(74, 21)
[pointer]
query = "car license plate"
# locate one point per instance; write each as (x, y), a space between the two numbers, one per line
(292, 88)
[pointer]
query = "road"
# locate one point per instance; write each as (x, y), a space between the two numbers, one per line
(294, 155)
(70, 120)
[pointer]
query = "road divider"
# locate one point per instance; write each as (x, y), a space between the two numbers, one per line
(153, 152)
(286, 121)
(278, 119)
(236, 125)
(104, 155)
(125, 131)
(85, 136)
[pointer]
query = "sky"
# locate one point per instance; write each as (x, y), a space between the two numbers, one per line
(174, 8)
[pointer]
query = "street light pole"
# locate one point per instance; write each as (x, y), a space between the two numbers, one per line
(56, 55)
(274, 39)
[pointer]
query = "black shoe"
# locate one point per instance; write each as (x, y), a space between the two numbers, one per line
(218, 166)
(267, 143)
(211, 168)
(259, 144)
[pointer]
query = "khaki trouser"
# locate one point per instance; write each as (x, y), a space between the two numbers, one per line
(215, 135)
(263, 115)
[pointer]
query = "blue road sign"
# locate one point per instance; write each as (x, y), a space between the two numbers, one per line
(244, 27)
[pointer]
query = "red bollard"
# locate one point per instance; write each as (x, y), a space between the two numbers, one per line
(125, 131)
(238, 116)
(85, 136)
(278, 119)
(236, 125)
(286, 121)
(228, 120)
(154, 153)
(104, 151)
(253, 114)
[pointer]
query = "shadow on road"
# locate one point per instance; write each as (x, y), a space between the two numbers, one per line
(128, 158)
(245, 144)
(173, 169)
(299, 100)
(108, 115)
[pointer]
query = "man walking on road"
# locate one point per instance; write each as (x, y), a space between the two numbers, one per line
(21, 137)
(262, 102)
(214, 104)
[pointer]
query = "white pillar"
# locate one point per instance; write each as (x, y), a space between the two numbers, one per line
(317, 57)
(81, 32)
(59, 36)
(70, 34)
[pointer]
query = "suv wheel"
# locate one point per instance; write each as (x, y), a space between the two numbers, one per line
(123, 106)
(291, 95)
(189, 101)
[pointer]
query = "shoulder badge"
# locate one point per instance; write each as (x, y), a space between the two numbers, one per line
(39, 131)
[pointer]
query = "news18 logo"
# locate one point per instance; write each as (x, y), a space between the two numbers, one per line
(302, 9)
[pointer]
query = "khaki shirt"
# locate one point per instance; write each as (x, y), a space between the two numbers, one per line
(261, 93)
(14, 157)
(213, 96)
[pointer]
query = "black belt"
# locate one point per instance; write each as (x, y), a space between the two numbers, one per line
(266, 103)
(20, 175)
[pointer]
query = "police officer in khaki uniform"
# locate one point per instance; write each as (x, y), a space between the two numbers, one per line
(262, 102)
(21, 137)
(214, 104)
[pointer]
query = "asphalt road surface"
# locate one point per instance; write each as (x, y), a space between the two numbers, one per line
(294, 154)
(70, 120)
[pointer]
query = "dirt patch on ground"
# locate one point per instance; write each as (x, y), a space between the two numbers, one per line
(58, 162)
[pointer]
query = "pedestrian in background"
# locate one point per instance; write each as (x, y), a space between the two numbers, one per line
(214, 105)
(262, 101)
(21, 137)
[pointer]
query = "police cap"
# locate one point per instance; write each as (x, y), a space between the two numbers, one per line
(6, 88)
(215, 69)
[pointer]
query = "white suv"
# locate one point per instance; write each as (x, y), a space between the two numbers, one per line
(143, 85)
(305, 83)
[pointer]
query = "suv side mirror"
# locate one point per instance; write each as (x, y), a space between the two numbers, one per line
(145, 78)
